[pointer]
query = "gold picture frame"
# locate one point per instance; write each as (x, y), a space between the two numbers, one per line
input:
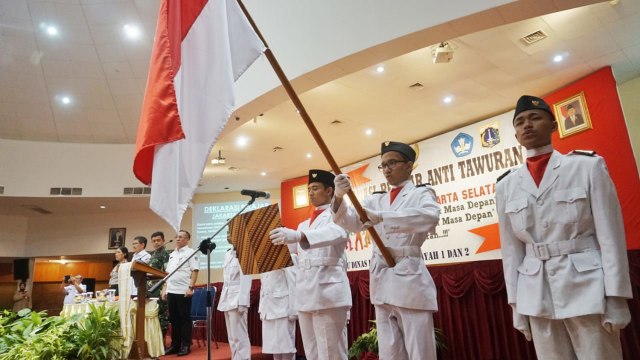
(572, 115)
(300, 196)
(117, 237)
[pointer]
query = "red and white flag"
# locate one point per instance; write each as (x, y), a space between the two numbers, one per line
(201, 48)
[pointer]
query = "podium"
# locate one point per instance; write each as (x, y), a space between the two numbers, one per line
(141, 272)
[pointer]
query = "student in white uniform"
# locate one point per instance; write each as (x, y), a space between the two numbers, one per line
(563, 245)
(323, 295)
(72, 287)
(234, 302)
(278, 314)
(404, 296)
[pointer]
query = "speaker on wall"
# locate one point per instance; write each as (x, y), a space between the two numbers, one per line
(20, 269)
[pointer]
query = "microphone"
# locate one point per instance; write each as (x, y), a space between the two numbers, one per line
(255, 194)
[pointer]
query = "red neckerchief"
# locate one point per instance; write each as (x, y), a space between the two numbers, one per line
(394, 193)
(315, 214)
(537, 165)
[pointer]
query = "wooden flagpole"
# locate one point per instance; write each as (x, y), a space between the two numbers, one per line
(316, 135)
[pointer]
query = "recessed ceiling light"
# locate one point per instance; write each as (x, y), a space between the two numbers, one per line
(380, 69)
(263, 173)
(102, 207)
(52, 30)
(447, 99)
(65, 100)
(132, 31)
(308, 155)
(368, 132)
(558, 58)
(242, 141)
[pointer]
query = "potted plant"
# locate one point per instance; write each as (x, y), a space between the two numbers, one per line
(365, 347)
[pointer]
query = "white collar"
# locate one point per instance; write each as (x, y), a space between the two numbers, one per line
(539, 151)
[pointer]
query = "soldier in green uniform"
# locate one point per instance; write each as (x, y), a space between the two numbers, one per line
(159, 259)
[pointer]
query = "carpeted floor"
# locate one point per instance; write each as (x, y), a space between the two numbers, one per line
(199, 351)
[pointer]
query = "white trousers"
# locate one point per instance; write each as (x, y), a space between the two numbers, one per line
(279, 337)
(405, 334)
(238, 334)
(323, 333)
(581, 337)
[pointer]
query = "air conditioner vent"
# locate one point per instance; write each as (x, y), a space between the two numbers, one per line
(65, 191)
(534, 37)
(142, 190)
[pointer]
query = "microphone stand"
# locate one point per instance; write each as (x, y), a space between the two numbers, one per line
(206, 246)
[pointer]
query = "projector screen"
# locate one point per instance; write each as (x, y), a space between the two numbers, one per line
(209, 218)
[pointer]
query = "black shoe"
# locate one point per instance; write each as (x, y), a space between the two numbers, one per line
(171, 350)
(184, 351)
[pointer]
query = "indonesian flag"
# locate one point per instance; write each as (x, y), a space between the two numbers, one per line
(200, 49)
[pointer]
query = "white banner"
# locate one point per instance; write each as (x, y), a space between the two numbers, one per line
(462, 166)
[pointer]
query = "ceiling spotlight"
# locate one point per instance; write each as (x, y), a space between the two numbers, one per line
(65, 100)
(380, 69)
(447, 99)
(102, 207)
(52, 30)
(308, 155)
(368, 132)
(443, 53)
(558, 58)
(219, 160)
(131, 31)
(242, 141)
(263, 173)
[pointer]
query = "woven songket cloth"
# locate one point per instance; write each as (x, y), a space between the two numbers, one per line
(249, 234)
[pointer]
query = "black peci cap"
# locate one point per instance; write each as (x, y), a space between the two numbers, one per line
(321, 176)
(402, 148)
(528, 102)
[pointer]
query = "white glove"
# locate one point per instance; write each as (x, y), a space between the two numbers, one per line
(521, 323)
(342, 185)
(242, 309)
(283, 235)
(375, 217)
(616, 314)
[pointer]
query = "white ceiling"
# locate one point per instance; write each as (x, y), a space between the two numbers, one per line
(104, 74)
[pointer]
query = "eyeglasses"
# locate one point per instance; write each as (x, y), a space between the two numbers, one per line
(391, 164)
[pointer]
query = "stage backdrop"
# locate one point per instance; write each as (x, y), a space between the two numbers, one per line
(462, 166)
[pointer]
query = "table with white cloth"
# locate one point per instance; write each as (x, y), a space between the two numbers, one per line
(152, 332)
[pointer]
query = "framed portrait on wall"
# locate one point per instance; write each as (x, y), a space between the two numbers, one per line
(117, 237)
(572, 115)
(300, 196)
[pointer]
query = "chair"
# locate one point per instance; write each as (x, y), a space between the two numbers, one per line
(199, 314)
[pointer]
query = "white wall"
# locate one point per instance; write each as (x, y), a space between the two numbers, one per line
(629, 93)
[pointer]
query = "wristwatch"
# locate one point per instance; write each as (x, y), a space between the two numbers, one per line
(190, 287)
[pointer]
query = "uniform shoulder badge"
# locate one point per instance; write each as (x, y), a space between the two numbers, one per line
(504, 175)
(379, 192)
(423, 185)
(583, 152)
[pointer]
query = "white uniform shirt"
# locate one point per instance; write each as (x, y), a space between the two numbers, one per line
(407, 222)
(179, 282)
(142, 256)
(276, 294)
(236, 286)
(72, 292)
(576, 204)
(321, 281)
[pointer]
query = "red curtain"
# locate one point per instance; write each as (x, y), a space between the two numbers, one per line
(473, 312)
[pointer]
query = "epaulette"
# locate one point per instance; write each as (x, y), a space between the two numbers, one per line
(504, 175)
(583, 152)
(423, 185)
(379, 192)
